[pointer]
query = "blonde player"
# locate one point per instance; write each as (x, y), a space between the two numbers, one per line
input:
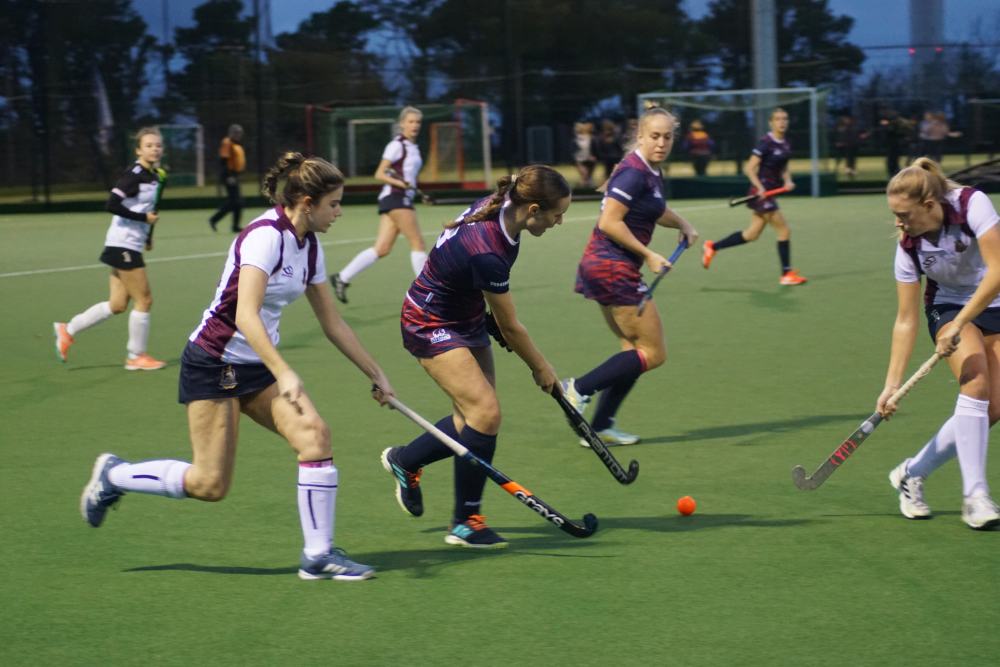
(948, 233)
(132, 201)
(231, 366)
(395, 204)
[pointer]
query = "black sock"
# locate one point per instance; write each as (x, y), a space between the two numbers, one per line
(785, 253)
(469, 480)
(618, 368)
(427, 449)
(736, 238)
(611, 399)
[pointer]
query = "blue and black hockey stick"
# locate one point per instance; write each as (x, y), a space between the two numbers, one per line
(506, 483)
(664, 271)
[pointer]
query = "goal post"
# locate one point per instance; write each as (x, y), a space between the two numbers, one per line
(728, 117)
(183, 154)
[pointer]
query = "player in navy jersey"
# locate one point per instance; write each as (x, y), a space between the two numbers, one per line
(767, 170)
(609, 273)
(395, 204)
(950, 234)
(132, 201)
(444, 325)
(231, 366)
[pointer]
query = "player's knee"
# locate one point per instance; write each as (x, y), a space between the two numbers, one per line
(382, 251)
(313, 441)
(485, 416)
(144, 303)
(750, 237)
(975, 385)
(118, 307)
(654, 357)
(210, 488)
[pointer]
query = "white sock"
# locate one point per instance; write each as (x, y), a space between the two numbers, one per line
(972, 435)
(138, 333)
(935, 453)
(164, 477)
(317, 502)
(417, 260)
(361, 261)
(88, 318)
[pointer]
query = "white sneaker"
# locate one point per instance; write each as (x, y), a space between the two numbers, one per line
(911, 493)
(980, 512)
(573, 397)
(612, 437)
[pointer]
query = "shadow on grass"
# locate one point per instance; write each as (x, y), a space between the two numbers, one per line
(897, 514)
(737, 430)
(772, 300)
(213, 569)
(685, 524)
(170, 362)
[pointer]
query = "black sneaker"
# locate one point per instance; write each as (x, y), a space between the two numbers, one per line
(339, 287)
(408, 492)
(475, 533)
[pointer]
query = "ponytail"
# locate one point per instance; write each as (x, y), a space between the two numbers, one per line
(921, 181)
(536, 184)
(306, 177)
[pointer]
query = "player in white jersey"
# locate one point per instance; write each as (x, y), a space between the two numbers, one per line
(395, 204)
(133, 202)
(950, 234)
(231, 366)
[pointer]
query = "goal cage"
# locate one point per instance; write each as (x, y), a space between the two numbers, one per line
(737, 119)
(183, 154)
(454, 140)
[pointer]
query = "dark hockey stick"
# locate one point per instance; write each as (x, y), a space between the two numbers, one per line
(423, 195)
(759, 195)
(586, 431)
(664, 271)
(161, 178)
(852, 443)
(506, 483)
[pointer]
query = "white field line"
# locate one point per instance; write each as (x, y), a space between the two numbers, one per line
(328, 243)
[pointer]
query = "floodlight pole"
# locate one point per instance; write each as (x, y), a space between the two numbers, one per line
(765, 55)
(258, 92)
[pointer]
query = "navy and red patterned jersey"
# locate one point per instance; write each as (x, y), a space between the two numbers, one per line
(465, 261)
(639, 187)
(774, 156)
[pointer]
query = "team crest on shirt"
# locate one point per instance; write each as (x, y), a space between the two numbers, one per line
(228, 378)
(960, 247)
(288, 272)
(929, 262)
(440, 336)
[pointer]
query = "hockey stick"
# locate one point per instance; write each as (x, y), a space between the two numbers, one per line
(161, 178)
(765, 195)
(423, 195)
(506, 483)
(586, 431)
(664, 271)
(852, 443)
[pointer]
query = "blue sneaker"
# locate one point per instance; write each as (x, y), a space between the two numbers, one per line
(475, 533)
(100, 493)
(334, 565)
(408, 492)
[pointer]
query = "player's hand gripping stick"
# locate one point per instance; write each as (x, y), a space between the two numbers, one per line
(506, 483)
(852, 443)
(758, 195)
(664, 271)
(420, 193)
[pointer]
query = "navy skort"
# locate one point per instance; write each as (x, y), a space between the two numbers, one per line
(392, 201)
(205, 377)
(940, 314)
(425, 337)
(122, 258)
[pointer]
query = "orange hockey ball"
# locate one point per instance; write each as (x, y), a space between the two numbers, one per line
(686, 505)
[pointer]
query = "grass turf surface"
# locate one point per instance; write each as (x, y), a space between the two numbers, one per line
(760, 378)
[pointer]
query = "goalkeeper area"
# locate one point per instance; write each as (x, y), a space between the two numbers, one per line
(183, 155)
(454, 141)
(737, 119)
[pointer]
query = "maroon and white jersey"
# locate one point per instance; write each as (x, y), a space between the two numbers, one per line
(404, 158)
(268, 243)
(954, 267)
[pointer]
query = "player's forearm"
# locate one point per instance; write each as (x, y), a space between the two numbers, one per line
(985, 294)
(904, 336)
(618, 231)
(672, 220)
(252, 327)
(345, 340)
(519, 340)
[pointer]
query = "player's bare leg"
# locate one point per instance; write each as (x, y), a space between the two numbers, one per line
(136, 284)
(405, 220)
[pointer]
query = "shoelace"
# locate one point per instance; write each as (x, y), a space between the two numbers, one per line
(477, 522)
(413, 478)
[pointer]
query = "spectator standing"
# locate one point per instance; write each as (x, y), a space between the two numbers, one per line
(232, 161)
(700, 146)
(607, 147)
(583, 152)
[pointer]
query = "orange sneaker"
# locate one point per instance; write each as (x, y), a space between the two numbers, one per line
(707, 253)
(792, 277)
(63, 340)
(144, 362)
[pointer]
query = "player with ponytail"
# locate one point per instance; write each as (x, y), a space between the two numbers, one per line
(948, 233)
(444, 325)
(231, 366)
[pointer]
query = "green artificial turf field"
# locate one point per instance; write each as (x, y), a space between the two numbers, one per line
(759, 378)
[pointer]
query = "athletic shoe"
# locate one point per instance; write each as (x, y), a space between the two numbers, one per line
(144, 362)
(339, 287)
(911, 493)
(334, 565)
(707, 253)
(475, 533)
(237, 230)
(575, 398)
(612, 437)
(980, 512)
(212, 223)
(791, 277)
(100, 493)
(408, 492)
(63, 340)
